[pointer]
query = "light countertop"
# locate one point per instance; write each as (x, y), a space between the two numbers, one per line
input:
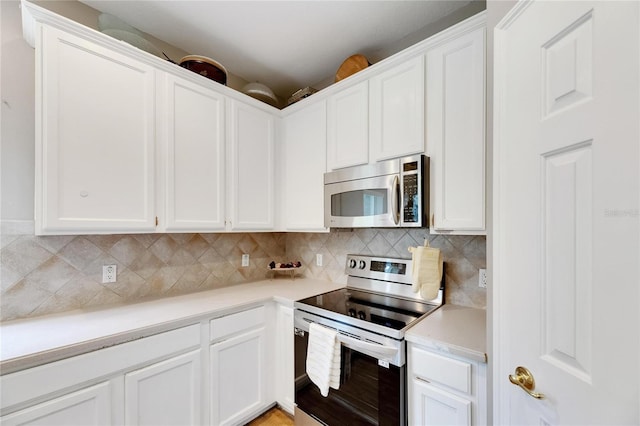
(454, 329)
(31, 342)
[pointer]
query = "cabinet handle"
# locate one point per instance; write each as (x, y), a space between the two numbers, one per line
(156, 220)
(420, 379)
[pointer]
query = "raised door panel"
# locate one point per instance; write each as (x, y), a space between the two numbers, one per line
(194, 157)
(397, 111)
(252, 175)
(238, 385)
(431, 406)
(96, 139)
(455, 133)
(305, 147)
(348, 127)
(165, 393)
(89, 406)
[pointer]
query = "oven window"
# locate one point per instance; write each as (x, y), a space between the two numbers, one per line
(369, 394)
(361, 203)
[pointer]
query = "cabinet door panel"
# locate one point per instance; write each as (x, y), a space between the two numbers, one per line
(238, 387)
(90, 406)
(166, 393)
(252, 146)
(348, 127)
(397, 111)
(305, 142)
(432, 406)
(195, 165)
(95, 149)
(455, 133)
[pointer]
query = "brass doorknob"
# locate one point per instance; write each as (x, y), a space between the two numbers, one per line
(524, 379)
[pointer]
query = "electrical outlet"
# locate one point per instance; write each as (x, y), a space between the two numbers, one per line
(245, 259)
(318, 259)
(109, 273)
(482, 278)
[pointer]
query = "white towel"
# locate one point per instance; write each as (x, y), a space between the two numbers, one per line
(323, 358)
(426, 271)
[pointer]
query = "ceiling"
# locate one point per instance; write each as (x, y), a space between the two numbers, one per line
(286, 45)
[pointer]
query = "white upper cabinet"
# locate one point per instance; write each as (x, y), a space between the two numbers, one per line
(397, 111)
(95, 138)
(194, 155)
(304, 150)
(456, 133)
(348, 127)
(252, 173)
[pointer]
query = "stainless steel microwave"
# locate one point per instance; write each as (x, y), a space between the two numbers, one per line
(388, 194)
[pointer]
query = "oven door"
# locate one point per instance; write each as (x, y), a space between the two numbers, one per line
(369, 202)
(370, 393)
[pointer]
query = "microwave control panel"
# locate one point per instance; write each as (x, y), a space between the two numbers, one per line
(412, 173)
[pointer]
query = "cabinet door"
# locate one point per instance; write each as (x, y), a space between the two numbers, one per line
(285, 358)
(455, 133)
(166, 393)
(348, 127)
(397, 111)
(252, 175)
(304, 154)
(95, 141)
(432, 406)
(90, 406)
(238, 385)
(194, 166)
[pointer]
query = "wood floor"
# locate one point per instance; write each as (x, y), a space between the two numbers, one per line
(273, 417)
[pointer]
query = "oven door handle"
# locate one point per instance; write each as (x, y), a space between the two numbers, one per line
(377, 350)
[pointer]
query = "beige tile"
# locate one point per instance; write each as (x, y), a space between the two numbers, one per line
(196, 246)
(127, 250)
(21, 300)
(193, 278)
(164, 248)
(181, 239)
(226, 243)
(210, 238)
(164, 279)
(54, 243)
(181, 258)
(8, 277)
(476, 252)
(146, 240)
(105, 297)
(129, 286)
(94, 269)
(23, 255)
(247, 244)
(105, 242)
(80, 252)
(81, 289)
(392, 235)
(211, 259)
(379, 246)
(146, 265)
(51, 275)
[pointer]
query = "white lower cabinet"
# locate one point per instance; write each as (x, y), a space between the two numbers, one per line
(445, 389)
(88, 406)
(149, 381)
(284, 358)
(237, 366)
(165, 393)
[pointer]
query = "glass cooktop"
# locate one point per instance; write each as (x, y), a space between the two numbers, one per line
(374, 308)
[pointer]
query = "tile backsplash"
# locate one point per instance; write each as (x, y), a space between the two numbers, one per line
(43, 275)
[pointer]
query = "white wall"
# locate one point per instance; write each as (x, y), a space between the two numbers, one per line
(17, 120)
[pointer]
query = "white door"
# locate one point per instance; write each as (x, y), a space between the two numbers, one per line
(397, 111)
(85, 407)
(304, 152)
(252, 168)
(348, 127)
(165, 393)
(566, 216)
(238, 372)
(96, 139)
(194, 141)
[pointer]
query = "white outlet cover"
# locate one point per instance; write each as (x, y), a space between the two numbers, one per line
(245, 260)
(109, 273)
(318, 259)
(482, 278)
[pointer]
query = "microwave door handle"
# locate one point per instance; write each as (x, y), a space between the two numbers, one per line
(395, 205)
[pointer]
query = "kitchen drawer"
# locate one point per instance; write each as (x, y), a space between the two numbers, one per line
(439, 369)
(231, 324)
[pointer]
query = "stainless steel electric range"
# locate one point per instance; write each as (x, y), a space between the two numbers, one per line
(371, 316)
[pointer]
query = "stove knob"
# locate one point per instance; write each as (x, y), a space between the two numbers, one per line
(352, 263)
(362, 315)
(352, 312)
(362, 264)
